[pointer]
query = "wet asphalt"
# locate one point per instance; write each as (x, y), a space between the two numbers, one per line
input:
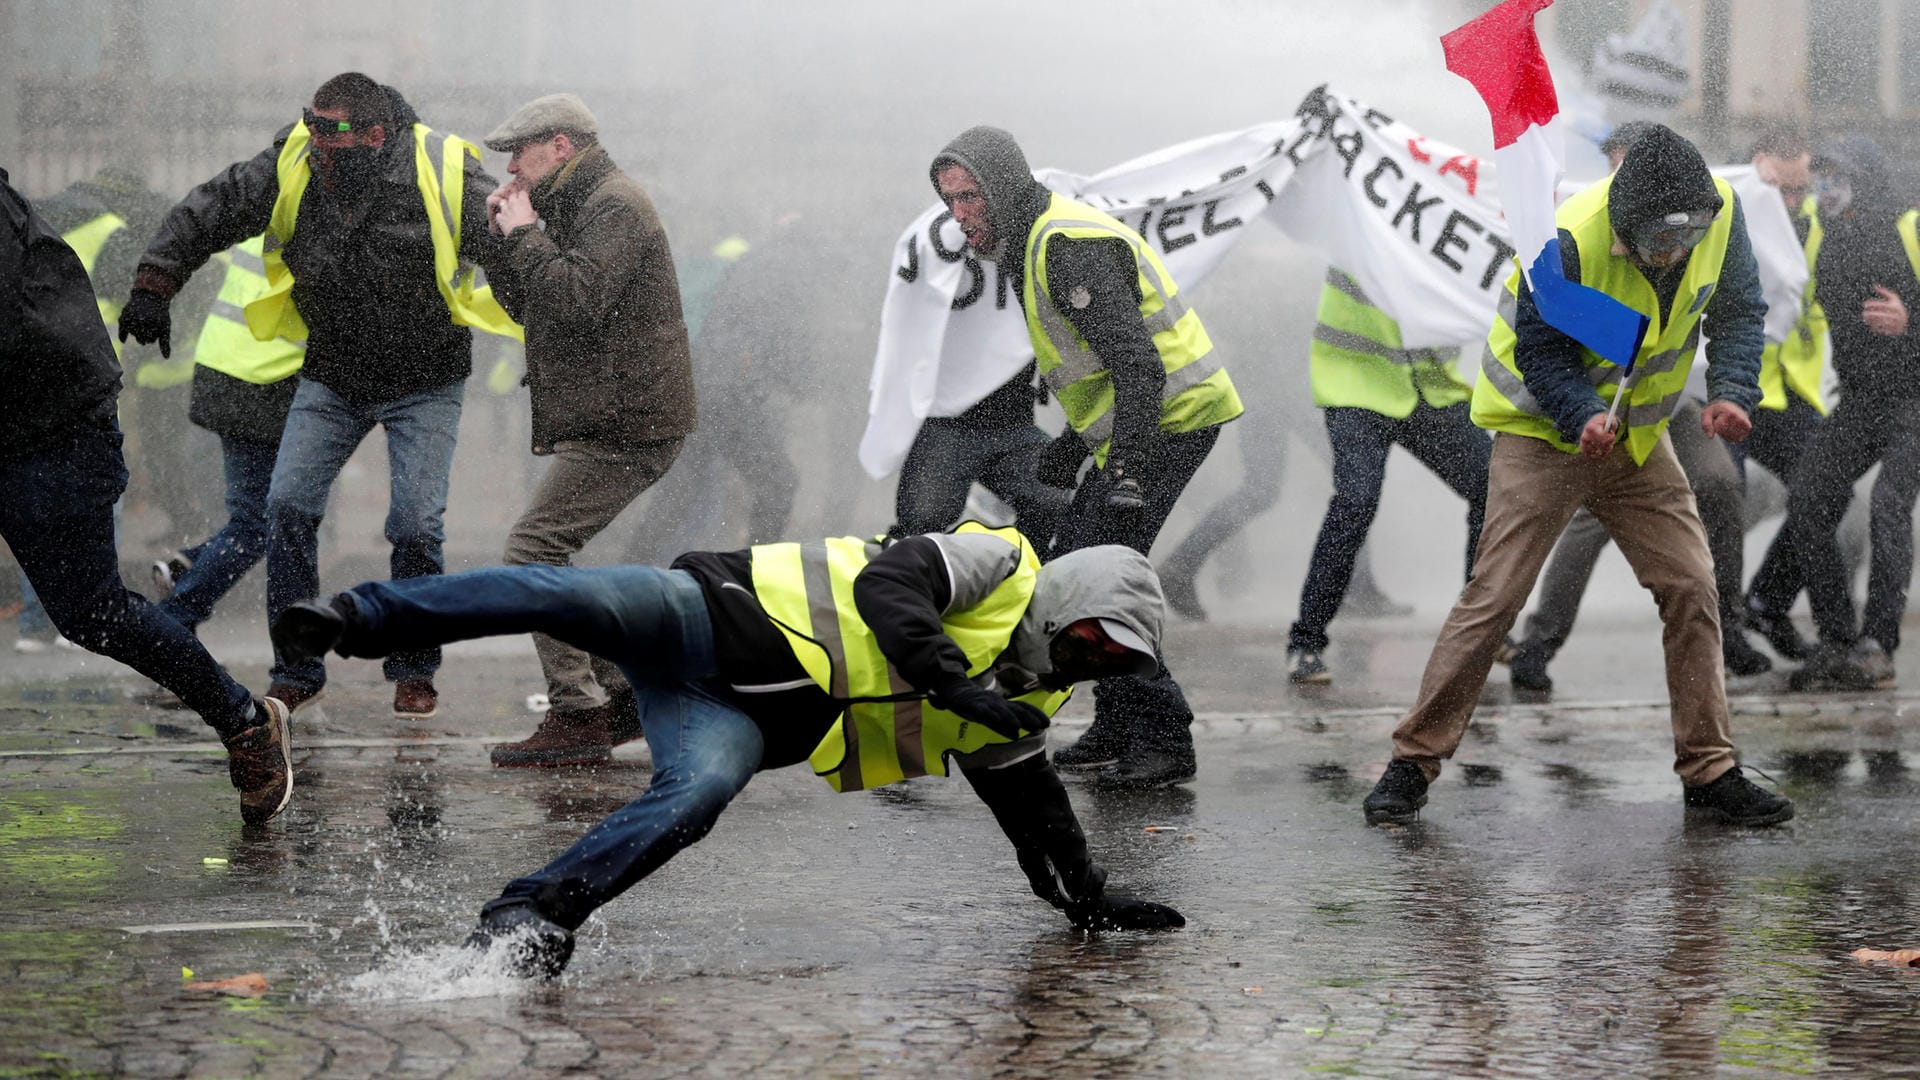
(1555, 911)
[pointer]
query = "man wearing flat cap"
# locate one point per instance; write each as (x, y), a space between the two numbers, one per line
(610, 375)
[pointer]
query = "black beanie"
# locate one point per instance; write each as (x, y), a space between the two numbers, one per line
(1662, 174)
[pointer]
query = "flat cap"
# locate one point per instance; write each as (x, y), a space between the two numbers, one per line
(541, 118)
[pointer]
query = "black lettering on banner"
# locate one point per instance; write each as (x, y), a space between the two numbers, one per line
(1380, 167)
(1237, 170)
(1450, 238)
(1414, 207)
(975, 288)
(1293, 151)
(1172, 218)
(1502, 251)
(999, 288)
(1209, 227)
(1376, 119)
(939, 248)
(1348, 146)
(910, 273)
(1142, 227)
(1265, 189)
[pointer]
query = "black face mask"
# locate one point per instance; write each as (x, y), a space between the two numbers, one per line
(353, 168)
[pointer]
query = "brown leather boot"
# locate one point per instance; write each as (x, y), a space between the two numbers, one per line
(415, 699)
(565, 737)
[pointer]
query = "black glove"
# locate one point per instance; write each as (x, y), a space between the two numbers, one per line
(148, 318)
(1060, 461)
(1003, 716)
(1115, 912)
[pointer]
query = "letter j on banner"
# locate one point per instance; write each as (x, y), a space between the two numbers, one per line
(1500, 55)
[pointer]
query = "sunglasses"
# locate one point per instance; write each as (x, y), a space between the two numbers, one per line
(320, 125)
(1681, 231)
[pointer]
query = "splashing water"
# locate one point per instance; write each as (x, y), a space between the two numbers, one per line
(438, 973)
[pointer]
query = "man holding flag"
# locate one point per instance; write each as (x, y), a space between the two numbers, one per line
(1587, 357)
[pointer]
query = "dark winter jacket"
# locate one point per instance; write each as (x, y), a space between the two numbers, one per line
(1111, 321)
(364, 277)
(1662, 174)
(607, 355)
(1862, 249)
(239, 409)
(56, 361)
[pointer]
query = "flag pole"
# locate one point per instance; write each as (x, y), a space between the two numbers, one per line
(1619, 394)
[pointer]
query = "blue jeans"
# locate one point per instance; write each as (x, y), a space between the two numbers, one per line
(323, 430)
(56, 513)
(1443, 440)
(654, 625)
(224, 558)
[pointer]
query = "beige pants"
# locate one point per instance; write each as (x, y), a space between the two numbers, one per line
(1533, 489)
(585, 488)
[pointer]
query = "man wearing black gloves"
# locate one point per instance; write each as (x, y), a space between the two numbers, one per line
(373, 222)
(1867, 279)
(1130, 364)
(872, 663)
(61, 471)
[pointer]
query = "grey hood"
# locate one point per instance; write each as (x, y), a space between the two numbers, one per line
(1014, 197)
(1106, 582)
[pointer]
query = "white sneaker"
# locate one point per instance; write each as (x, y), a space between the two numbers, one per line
(31, 645)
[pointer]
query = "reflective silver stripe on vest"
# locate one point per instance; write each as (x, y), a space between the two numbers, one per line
(1510, 385)
(817, 578)
(906, 726)
(1178, 382)
(248, 261)
(1352, 342)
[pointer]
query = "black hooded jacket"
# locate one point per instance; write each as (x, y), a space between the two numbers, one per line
(55, 359)
(1862, 249)
(364, 277)
(1110, 322)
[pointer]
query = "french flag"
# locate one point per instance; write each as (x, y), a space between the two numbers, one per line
(1500, 55)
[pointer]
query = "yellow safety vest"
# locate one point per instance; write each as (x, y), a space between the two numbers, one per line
(1198, 393)
(1357, 360)
(226, 344)
(87, 241)
(1501, 401)
(807, 590)
(1799, 363)
(273, 315)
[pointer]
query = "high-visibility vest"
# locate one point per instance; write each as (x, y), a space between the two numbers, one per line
(226, 344)
(273, 315)
(1800, 362)
(807, 590)
(87, 241)
(1198, 394)
(1501, 401)
(1357, 360)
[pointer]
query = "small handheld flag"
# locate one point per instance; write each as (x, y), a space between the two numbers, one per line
(1499, 53)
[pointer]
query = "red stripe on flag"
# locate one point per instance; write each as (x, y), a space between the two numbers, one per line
(1500, 55)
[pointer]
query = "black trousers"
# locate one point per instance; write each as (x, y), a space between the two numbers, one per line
(1860, 432)
(1780, 439)
(1151, 713)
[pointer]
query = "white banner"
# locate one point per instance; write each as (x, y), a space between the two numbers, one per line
(1415, 221)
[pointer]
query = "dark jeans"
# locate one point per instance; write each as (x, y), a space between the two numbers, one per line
(654, 624)
(948, 457)
(221, 560)
(1148, 713)
(1857, 434)
(56, 513)
(323, 430)
(1780, 438)
(1443, 440)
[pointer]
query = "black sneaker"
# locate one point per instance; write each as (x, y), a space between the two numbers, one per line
(1780, 633)
(1831, 667)
(1306, 666)
(260, 764)
(308, 629)
(1399, 795)
(167, 572)
(1871, 657)
(534, 947)
(1100, 747)
(1528, 669)
(1736, 800)
(1145, 770)
(1739, 655)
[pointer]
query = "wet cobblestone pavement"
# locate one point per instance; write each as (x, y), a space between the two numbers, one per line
(1554, 913)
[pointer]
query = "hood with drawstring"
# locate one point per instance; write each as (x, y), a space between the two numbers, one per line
(1106, 582)
(1014, 197)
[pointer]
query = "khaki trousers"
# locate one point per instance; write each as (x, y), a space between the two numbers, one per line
(1533, 489)
(585, 488)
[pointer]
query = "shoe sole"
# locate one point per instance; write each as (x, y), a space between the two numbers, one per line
(428, 715)
(1134, 785)
(283, 718)
(1314, 679)
(1395, 817)
(1722, 817)
(1085, 766)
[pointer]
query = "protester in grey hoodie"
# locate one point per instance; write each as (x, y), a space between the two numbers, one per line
(726, 694)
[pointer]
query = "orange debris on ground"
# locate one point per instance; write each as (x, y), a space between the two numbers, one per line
(252, 984)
